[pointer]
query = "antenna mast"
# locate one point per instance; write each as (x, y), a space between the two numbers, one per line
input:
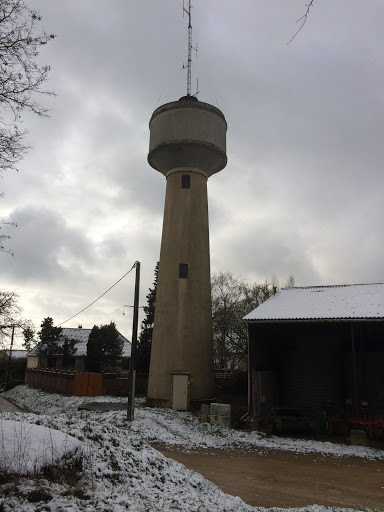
(190, 48)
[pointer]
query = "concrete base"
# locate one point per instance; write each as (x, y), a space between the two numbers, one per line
(158, 402)
(204, 413)
(195, 405)
(358, 438)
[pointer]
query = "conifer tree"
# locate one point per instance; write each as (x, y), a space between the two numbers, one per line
(50, 338)
(68, 350)
(29, 337)
(143, 350)
(104, 348)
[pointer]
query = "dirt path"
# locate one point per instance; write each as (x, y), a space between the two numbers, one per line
(6, 405)
(285, 479)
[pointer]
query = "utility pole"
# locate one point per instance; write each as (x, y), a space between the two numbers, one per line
(9, 358)
(132, 371)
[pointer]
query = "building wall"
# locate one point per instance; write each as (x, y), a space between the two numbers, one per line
(310, 372)
(318, 364)
(32, 361)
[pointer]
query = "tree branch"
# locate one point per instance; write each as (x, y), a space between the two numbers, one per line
(303, 20)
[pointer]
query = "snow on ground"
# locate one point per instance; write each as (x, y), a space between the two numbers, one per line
(183, 429)
(121, 471)
(25, 448)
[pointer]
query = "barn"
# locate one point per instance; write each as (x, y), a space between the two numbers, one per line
(318, 348)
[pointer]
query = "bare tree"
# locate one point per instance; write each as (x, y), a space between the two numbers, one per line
(9, 308)
(302, 20)
(9, 314)
(21, 77)
(232, 299)
(3, 237)
(227, 292)
(10, 317)
(290, 283)
(21, 81)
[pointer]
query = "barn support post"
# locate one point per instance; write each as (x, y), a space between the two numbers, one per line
(252, 374)
(355, 389)
(249, 373)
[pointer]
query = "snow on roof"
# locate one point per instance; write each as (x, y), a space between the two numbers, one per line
(354, 301)
(17, 353)
(81, 337)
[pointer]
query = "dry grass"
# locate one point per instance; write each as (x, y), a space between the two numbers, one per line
(66, 474)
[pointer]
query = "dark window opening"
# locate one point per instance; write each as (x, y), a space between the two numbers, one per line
(51, 362)
(185, 181)
(183, 270)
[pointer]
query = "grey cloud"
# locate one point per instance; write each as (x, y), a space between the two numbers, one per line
(43, 245)
(302, 192)
(264, 254)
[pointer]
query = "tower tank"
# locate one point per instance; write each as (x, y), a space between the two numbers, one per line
(187, 145)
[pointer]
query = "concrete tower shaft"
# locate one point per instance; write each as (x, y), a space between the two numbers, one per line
(187, 145)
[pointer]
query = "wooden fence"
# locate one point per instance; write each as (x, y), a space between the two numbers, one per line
(88, 384)
(83, 384)
(95, 384)
(51, 380)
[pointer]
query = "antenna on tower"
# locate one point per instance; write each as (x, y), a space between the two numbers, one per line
(190, 48)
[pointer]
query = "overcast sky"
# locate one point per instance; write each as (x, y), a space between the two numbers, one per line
(302, 193)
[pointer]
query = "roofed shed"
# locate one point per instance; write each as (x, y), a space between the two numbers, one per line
(318, 347)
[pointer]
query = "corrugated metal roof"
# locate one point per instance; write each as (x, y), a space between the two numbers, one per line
(343, 302)
(81, 337)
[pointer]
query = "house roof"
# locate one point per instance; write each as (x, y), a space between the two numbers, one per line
(16, 353)
(81, 337)
(341, 302)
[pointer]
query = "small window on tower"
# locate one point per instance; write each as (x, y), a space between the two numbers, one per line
(185, 181)
(183, 270)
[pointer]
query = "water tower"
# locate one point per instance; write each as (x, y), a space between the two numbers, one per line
(187, 145)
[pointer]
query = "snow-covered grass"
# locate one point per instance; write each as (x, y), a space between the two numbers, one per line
(26, 448)
(182, 429)
(121, 471)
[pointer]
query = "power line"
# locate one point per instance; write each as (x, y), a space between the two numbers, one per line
(121, 307)
(102, 295)
(108, 314)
